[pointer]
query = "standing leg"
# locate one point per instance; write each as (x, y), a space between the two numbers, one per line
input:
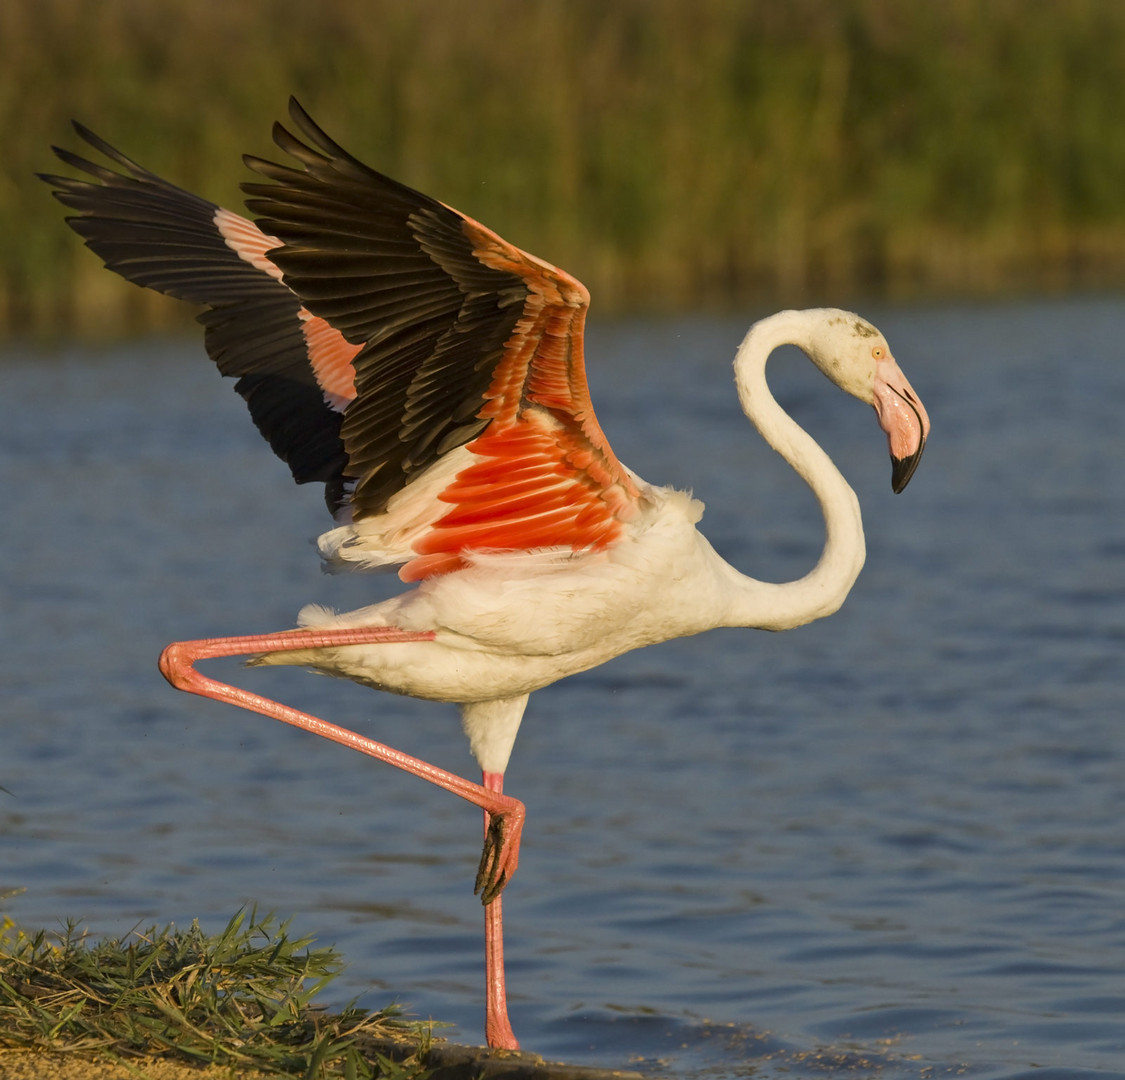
(504, 815)
(497, 1028)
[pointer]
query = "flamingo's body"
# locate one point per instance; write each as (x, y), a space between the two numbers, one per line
(431, 375)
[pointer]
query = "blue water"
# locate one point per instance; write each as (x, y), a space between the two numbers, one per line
(892, 842)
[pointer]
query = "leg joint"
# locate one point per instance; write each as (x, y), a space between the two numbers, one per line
(175, 663)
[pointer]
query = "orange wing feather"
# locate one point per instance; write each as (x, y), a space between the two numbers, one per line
(330, 355)
(545, 474)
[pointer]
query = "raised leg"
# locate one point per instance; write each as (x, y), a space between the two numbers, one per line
(497, 1028)
(504, 815)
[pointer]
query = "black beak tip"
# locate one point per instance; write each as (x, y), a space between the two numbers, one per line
(902, 469)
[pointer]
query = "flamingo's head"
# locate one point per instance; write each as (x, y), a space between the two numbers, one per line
(857, 358)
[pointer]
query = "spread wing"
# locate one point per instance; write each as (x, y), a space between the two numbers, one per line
(163, 237)
(445, 363)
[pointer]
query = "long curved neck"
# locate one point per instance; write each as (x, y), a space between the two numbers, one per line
(823, 589)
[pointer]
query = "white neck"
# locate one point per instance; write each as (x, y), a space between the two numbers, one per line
(822, 590)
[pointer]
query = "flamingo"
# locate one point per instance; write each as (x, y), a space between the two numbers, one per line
(430, 374)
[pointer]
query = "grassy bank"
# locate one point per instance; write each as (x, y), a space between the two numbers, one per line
(668, 153)
(240, 999)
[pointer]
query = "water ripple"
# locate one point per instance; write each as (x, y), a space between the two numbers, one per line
(888, 844)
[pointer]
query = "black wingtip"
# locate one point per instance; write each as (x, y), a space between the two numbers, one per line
(123, 161)
(297, 112)
(316, 135)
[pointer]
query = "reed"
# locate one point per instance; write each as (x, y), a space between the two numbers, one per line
(711, 153)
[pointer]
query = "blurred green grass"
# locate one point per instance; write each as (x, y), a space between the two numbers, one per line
(670, 153)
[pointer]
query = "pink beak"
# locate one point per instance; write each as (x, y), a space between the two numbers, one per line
(903, 417)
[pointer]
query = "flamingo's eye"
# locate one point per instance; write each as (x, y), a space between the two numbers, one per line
(878, 352)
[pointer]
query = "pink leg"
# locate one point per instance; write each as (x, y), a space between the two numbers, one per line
(497, 1028)
(504, 815)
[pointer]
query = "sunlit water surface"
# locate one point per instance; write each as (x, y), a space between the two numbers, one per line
(892, 842)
